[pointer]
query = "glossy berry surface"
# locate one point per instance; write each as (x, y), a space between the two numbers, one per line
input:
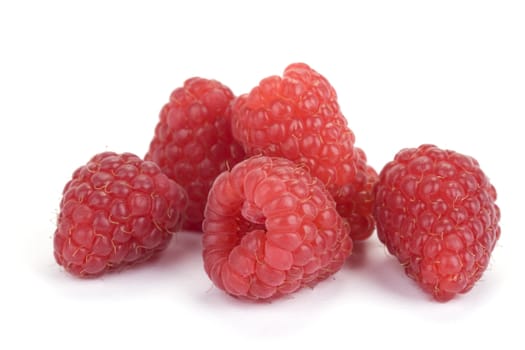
(297, 117)
(435, 211)
(193, 142)
(271, 228)
(116, 211)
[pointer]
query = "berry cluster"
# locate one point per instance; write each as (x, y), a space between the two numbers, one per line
(276, 184)
(297, 117)
(193, 142)
(436, 213)
(116, 211)
(271, 228)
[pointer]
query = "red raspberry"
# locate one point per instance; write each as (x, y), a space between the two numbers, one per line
(297, 117)
(117, 210)
(436, 212)
(193, 143)
(271, 228)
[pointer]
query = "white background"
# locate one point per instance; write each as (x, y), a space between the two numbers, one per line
(77, 79)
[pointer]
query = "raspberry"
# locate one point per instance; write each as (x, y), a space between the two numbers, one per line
(435, 211)
(271, 228)
(116, 211)
(297, 117)
(193, 143)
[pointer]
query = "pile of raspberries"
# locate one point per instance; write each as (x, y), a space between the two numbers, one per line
(275, 183)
